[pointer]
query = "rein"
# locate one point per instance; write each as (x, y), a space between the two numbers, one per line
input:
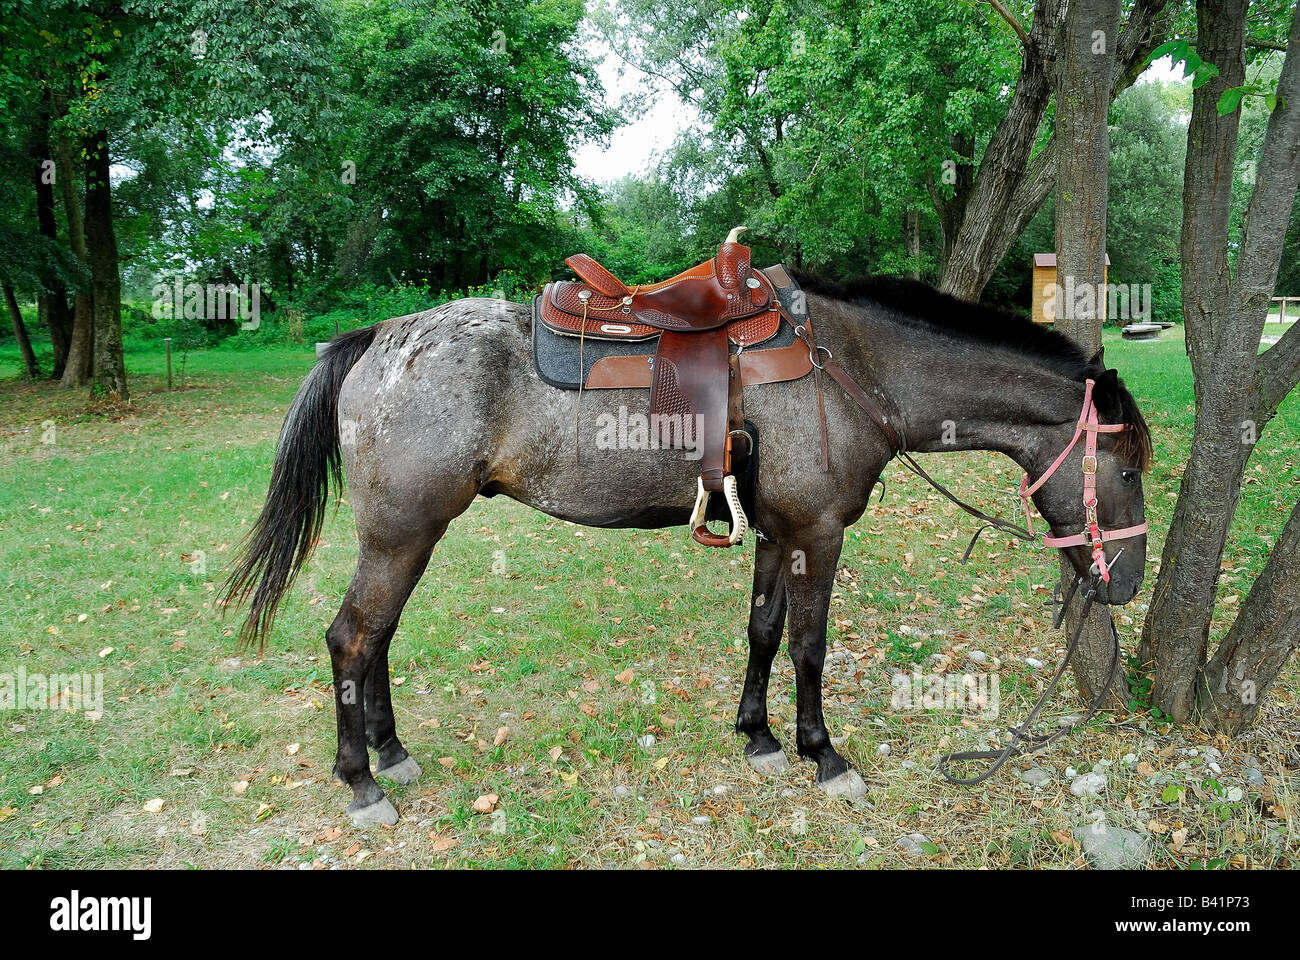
(1087, 427)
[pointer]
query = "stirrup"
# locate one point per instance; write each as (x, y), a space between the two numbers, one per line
(739, 522)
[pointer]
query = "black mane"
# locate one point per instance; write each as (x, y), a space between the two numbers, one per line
(917, 304)
(920, 306)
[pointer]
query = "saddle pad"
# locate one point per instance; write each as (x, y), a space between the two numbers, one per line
(781, 357)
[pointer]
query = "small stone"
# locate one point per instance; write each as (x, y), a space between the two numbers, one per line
(1036, 777)
(720, 789)
(701, 821)
(1254, 777)
(1130, 760)
(1088, 785)
(882, 750)
(1071, 772)
(1033, 664)
(622, 792)
(646, 742)
(979, 656)
(1110, 848)
(1215, 768)
(908, 764)
(678, 858)
(911, 845)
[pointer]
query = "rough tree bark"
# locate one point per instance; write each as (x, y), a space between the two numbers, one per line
(1013, 181)
(108, 367)
(1237, 392)
(1087, 73)
(20, 334)
(76, 372)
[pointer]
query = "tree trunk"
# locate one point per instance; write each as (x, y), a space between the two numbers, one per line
(20, 334)
(1176, 632)
(912, 241)
(1013, 181)
(108, 367)
(76, 372)
(1237, 390)
(1260, 642)
(55, 299)
(1083, 191)
(982, 241)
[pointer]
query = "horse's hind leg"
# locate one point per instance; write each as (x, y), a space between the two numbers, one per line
(394, 762)
(358, 640)
(766, 624)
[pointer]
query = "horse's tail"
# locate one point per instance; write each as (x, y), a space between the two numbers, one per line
(306, 460)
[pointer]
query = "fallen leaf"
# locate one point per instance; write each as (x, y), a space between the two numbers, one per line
(555, 753)
(441, 843)
(293, 748)
(239, 786)
(155, 805)
(486, 803)
(625, 677)
(500, 738)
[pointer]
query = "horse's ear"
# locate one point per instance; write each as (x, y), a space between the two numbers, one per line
(1106, 394)
(1098, 361)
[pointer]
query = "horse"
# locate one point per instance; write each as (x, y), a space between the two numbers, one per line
(423, 413)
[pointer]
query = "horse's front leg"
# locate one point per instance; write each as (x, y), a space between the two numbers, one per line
(766, 623)
(816, 552)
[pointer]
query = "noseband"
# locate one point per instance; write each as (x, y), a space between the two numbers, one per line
(1092, 535)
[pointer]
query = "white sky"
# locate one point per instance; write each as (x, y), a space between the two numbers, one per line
(633, 147)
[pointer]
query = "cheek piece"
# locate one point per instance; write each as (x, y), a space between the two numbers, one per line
(1088, 427)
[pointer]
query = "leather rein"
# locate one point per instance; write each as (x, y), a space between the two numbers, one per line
(1087, 427)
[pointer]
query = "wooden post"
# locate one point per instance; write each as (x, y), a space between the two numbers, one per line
(1281, 316)
(168, 342)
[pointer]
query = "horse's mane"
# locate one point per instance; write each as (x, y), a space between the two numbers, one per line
(918, 305)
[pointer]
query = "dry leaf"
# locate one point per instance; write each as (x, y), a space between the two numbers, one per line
(155, 805)
(625, 677)
(441, 843)
(500, 738)
(293, 748)
(486, 803)
(239, 786)
(555, 753)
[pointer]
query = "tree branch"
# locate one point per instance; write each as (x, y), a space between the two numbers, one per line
(1277, 373)
(1010, 18)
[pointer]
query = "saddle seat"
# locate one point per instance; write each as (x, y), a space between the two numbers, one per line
(695, 380)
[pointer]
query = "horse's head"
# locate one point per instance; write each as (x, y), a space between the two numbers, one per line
(1093, 501)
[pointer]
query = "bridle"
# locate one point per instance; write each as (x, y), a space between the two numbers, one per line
(1087, 427)
(1092, 535)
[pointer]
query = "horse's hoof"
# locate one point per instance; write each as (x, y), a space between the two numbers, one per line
(381, 812)
(408, 771)
(848, 785)
(770, 764)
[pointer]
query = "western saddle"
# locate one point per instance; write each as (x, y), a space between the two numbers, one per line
(695, 379)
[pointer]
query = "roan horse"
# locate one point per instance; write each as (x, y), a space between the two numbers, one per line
(423, 413)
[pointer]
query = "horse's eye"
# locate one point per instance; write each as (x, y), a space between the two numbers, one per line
(1131, 476)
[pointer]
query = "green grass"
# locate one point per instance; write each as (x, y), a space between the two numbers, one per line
(102, 526)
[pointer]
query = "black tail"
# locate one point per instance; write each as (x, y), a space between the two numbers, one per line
(306, 460)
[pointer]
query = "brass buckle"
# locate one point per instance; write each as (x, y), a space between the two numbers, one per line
(1090, 469)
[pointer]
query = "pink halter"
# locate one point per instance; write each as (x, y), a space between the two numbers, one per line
(1092, 534)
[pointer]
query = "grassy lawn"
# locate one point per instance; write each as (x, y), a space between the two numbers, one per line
(511, 661)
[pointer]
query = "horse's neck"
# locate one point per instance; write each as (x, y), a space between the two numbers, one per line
(954, 395)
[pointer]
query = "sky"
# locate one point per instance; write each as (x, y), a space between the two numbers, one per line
(633, 147)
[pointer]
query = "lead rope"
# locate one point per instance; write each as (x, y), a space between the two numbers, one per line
(1021, 733)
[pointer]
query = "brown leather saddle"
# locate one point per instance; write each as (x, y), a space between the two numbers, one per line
(694, 378)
